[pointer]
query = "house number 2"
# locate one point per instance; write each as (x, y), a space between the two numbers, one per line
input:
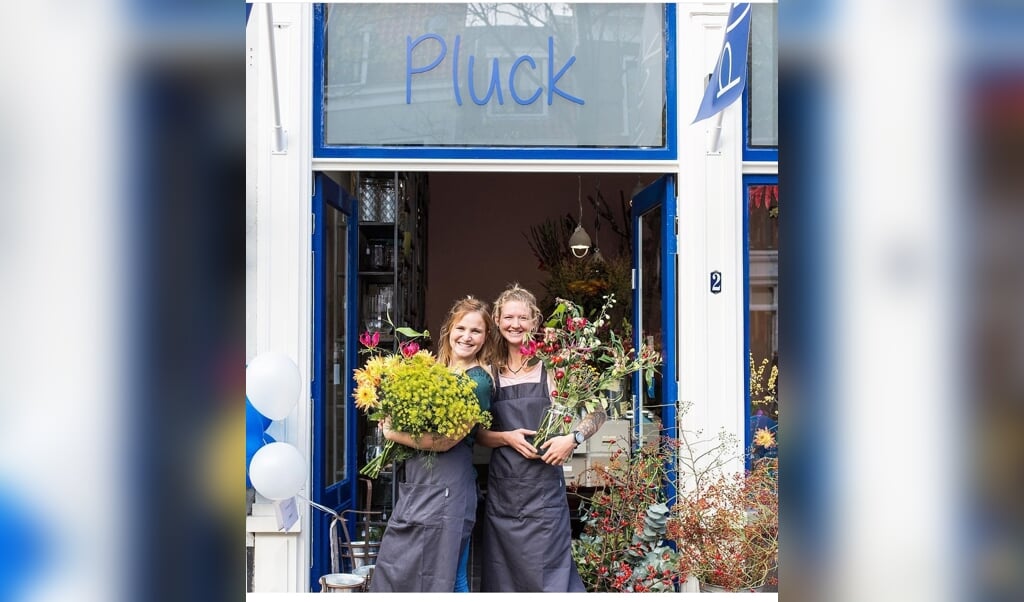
(716, 282)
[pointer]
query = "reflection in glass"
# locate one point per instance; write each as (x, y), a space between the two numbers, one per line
(336, 402)
(649, 274)
(764, 75)
(763, 318)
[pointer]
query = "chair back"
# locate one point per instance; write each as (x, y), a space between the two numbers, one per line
(361, 532)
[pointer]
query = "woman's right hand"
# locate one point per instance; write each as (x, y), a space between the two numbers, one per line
(385, 428)
(517, 440)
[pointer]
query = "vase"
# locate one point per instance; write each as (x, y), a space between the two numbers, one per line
(708, 588)
(556, 421)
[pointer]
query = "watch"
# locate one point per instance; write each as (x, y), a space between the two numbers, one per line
(578, 436)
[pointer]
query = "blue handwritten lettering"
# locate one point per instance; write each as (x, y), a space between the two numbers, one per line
(495, 85)
(512, 80)
(553, 79)
(410, 45)
(455, 71)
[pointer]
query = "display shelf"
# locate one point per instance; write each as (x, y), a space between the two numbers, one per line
(391, 276)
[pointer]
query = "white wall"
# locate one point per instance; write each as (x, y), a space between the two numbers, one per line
(279, 316)
(711, 358)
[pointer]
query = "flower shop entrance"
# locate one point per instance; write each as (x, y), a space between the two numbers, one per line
(407, 244)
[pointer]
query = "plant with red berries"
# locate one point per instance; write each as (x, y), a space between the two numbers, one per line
(726, 525)
(624, 545)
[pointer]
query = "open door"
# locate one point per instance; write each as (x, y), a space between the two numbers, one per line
(653, 217)
(334, 462)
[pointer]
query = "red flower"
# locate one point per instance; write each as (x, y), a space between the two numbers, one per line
(370, 340)
(410, 348)
(528, 348)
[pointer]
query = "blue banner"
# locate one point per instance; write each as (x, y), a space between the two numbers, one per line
(726, 84)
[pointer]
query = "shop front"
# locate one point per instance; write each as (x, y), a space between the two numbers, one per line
(402, 156)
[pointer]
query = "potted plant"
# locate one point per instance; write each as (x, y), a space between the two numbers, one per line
(623, 547)
(721, 527)
(726, 527)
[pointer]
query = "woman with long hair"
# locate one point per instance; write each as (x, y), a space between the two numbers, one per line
(527, 537)
(425, 546)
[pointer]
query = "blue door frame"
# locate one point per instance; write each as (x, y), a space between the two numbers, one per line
(748, 181)
(658, 195)
(340, 495)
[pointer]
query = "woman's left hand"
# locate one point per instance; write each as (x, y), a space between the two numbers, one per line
(558, 450)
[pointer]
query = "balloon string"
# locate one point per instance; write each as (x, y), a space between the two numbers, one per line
(318, 506)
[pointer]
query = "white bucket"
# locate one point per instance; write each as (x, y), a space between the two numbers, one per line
(341, 582)
(364, 553)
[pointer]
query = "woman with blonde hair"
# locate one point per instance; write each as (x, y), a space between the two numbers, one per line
(425, 547)
(527, 537)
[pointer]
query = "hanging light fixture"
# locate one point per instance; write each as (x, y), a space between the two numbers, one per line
(638, 188)
(598, 257)
(579, 242)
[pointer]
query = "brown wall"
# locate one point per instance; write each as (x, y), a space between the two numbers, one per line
(478, 224)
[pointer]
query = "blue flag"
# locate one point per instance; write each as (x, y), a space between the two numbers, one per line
(726, 84)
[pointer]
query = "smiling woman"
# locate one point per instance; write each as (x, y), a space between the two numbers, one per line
(533, 555)
(436, 510)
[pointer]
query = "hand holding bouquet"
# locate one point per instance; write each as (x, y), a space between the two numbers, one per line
(417, 394)
(587, 361)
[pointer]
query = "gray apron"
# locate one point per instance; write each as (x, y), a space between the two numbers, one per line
(435, 512)
(527, 538)
(436, 509)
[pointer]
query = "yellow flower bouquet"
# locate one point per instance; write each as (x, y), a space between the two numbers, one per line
(417, 394)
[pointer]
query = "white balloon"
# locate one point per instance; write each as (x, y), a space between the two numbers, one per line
(273, 384)
(277, 470)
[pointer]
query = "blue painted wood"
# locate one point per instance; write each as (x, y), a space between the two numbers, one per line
(660, 195)
(341, 495)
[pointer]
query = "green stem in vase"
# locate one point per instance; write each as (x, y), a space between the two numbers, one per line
(556, 421)
(374, 466)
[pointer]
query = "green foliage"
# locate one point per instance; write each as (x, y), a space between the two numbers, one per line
(416, 393)
(587, 281)
(587, 361)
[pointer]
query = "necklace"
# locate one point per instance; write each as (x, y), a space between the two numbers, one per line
(517, 370)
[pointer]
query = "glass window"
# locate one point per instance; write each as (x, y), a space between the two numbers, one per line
(514, 75)
(763, 320)
(764, 76)
(336, 403)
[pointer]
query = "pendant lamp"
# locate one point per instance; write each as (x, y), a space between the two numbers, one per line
(579, 242)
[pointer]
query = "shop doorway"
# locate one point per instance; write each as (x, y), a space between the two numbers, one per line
(416, 242)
